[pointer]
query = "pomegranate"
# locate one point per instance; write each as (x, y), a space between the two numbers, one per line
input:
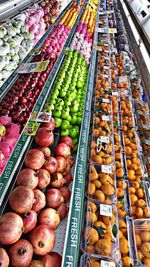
(42, 239)
(68, 178)
(11, 228)
(44, 137)
(51, 165)
(49, 217)
(36, 263)
(62, 150)
(61, 163)
(4, 259)
(51, 260)
(21, 199)
(57, 180)
(54, 198)
(66, 193)
(46, 151)
(44, 178)
(27, 177)
(40, 200)
(21, 253)
(29, 221)
(67, 140)
(70, 160)
(64, 173)
(50, 125)
(63, 210)
(34, 159)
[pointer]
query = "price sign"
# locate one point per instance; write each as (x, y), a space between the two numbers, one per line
(105, 118)
(33, 67)
(31, 128)
(106, 210)
(106, 169)
(107, 264)
(102, 30)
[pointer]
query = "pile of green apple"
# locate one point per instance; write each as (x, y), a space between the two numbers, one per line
(66, 100)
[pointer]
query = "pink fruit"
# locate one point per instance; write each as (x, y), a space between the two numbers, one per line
(66, 193)
(11, 228)
(51, 165)
(68, 178)
(61, 163)
(40, 200)
(27, 177)
(44, 137)
(57, 180)
(21, 199)
(50, 125)
(46, 151)
(62, 150)
(52, 259)
(70, 160)
(65, 172)
(5, 120)
(54, 198)
(67, 140)
(63, 210)
(29, 221)
(36, 263)
(44, 178)
(42, 239)
(6, 148)
(2, 159)
(4, 259)
(13, 130)
(34, 159)
(21, 253)
(49, 217)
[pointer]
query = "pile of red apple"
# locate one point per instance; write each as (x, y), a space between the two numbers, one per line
(9, 134)
(37, 203)
(51, 11)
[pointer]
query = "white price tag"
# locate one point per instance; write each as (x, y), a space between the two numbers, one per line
(106, 68)
(107, 264)
(115, 93)
(106, 210)
(123, 79)
(105, 118)
(105, 100)
(106, 169)
(102, 30)
(104, 139)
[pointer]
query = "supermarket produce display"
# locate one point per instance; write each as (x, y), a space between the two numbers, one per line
(74, 141)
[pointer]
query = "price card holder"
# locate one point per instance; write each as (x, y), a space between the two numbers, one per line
(107, 264)
(106, 169)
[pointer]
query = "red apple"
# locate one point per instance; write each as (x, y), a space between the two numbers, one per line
(67, 140)
(44, 137)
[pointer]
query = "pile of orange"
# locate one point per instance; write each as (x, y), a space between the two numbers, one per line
(142, 236)
(98, 234)
(101, 153)
(121, 205)
(101, 185)
(119, 61)
(124, 244)
(89, 18)
(70, 16)
(139, 207)
(101, 127)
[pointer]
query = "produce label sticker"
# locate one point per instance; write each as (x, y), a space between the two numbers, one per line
(31, 128)
(105, 118)
(105, 100)
(106, 169)
(112, 30)
(33, 67)
(104, 139)
(102, 30)
(43, 117)
(107, 264)
(106, 210)
(115, 93)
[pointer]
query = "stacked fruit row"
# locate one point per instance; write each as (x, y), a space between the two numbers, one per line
(66, 100)
(22, 96)
(51, 11)
(115, 142)
(38, 203)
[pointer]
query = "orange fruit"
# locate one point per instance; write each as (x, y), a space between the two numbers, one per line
(147, 261)
(103, 247)
(145, 249)
(141, 203)
(126, 261)
(92, 207)
(133, 199)
(145, 236)
(91, 189)
(140, 193)
(99, 195)
(124, 245)
(138, 240)
(91, 235)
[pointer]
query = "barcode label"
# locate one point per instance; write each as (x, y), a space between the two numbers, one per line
(106, 210)
(106, 169)
(105, 118)
(107, 264)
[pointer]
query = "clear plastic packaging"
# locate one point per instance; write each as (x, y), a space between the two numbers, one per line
(103, 106)
(101, 183)
(100, 230)
(126, 106)
(87, 260)
(139, 199)
(102, 125)
(123, 198)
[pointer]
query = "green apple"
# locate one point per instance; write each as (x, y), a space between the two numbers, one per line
(75, 141)
(73, 120)
(58, 121)
(73, 133)
(65, 124)
(64, 132)
(65, 115)
(57, 113)
(79, 120)
(62, 93)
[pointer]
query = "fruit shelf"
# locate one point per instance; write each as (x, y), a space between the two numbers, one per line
(24, 140)
(72, 239)
(14, 76)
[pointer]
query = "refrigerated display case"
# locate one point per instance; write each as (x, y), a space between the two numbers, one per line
(77, 175)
